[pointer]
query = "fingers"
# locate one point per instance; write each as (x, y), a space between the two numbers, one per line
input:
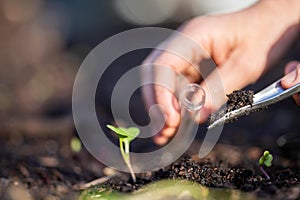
(163, 94)
(181, 59)
(292, 77)
(168, 102)
(291, 66)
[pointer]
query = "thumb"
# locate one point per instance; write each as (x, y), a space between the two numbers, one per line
(292, 77)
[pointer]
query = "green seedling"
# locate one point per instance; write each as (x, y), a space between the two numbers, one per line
(75, 145)
(265, 160)
(126, 135)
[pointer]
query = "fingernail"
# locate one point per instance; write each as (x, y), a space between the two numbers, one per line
(289, 79)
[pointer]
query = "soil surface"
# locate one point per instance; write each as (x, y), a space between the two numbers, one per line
(219, 175)
(44, 167)
(38, 163)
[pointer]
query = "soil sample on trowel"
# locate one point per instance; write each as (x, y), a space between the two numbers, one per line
(236, 100)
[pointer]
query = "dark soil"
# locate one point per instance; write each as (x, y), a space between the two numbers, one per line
(236, 100)
(45, 167)
(42, 166)
(219, 175)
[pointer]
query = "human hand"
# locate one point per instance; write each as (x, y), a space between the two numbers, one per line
(292, 77)
(243, 45)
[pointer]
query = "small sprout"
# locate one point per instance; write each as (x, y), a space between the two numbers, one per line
(126, 135)
(265, 160)
(75, 145)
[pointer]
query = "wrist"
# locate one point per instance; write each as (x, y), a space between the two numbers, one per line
(285, 11)
(275, 18)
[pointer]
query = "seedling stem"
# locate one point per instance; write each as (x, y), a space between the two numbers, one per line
(265, 160)
(126, 135)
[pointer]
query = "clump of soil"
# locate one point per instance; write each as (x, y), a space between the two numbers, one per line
(236, 100)
(212, 175)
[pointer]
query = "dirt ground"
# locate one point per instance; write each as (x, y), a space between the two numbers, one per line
(43, 166)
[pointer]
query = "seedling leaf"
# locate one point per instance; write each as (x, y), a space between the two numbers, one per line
(121, 132)
(75, 145)
(132, 132)
(126, 135)
(266, 159)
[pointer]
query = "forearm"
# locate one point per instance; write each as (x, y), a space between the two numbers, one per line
(289, 8)
(282, 11)
(276, 23)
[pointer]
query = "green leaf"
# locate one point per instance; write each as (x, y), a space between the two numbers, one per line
(118, 130)
(130, 133)
(261, 160)
(75, 144)
(266, 159)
